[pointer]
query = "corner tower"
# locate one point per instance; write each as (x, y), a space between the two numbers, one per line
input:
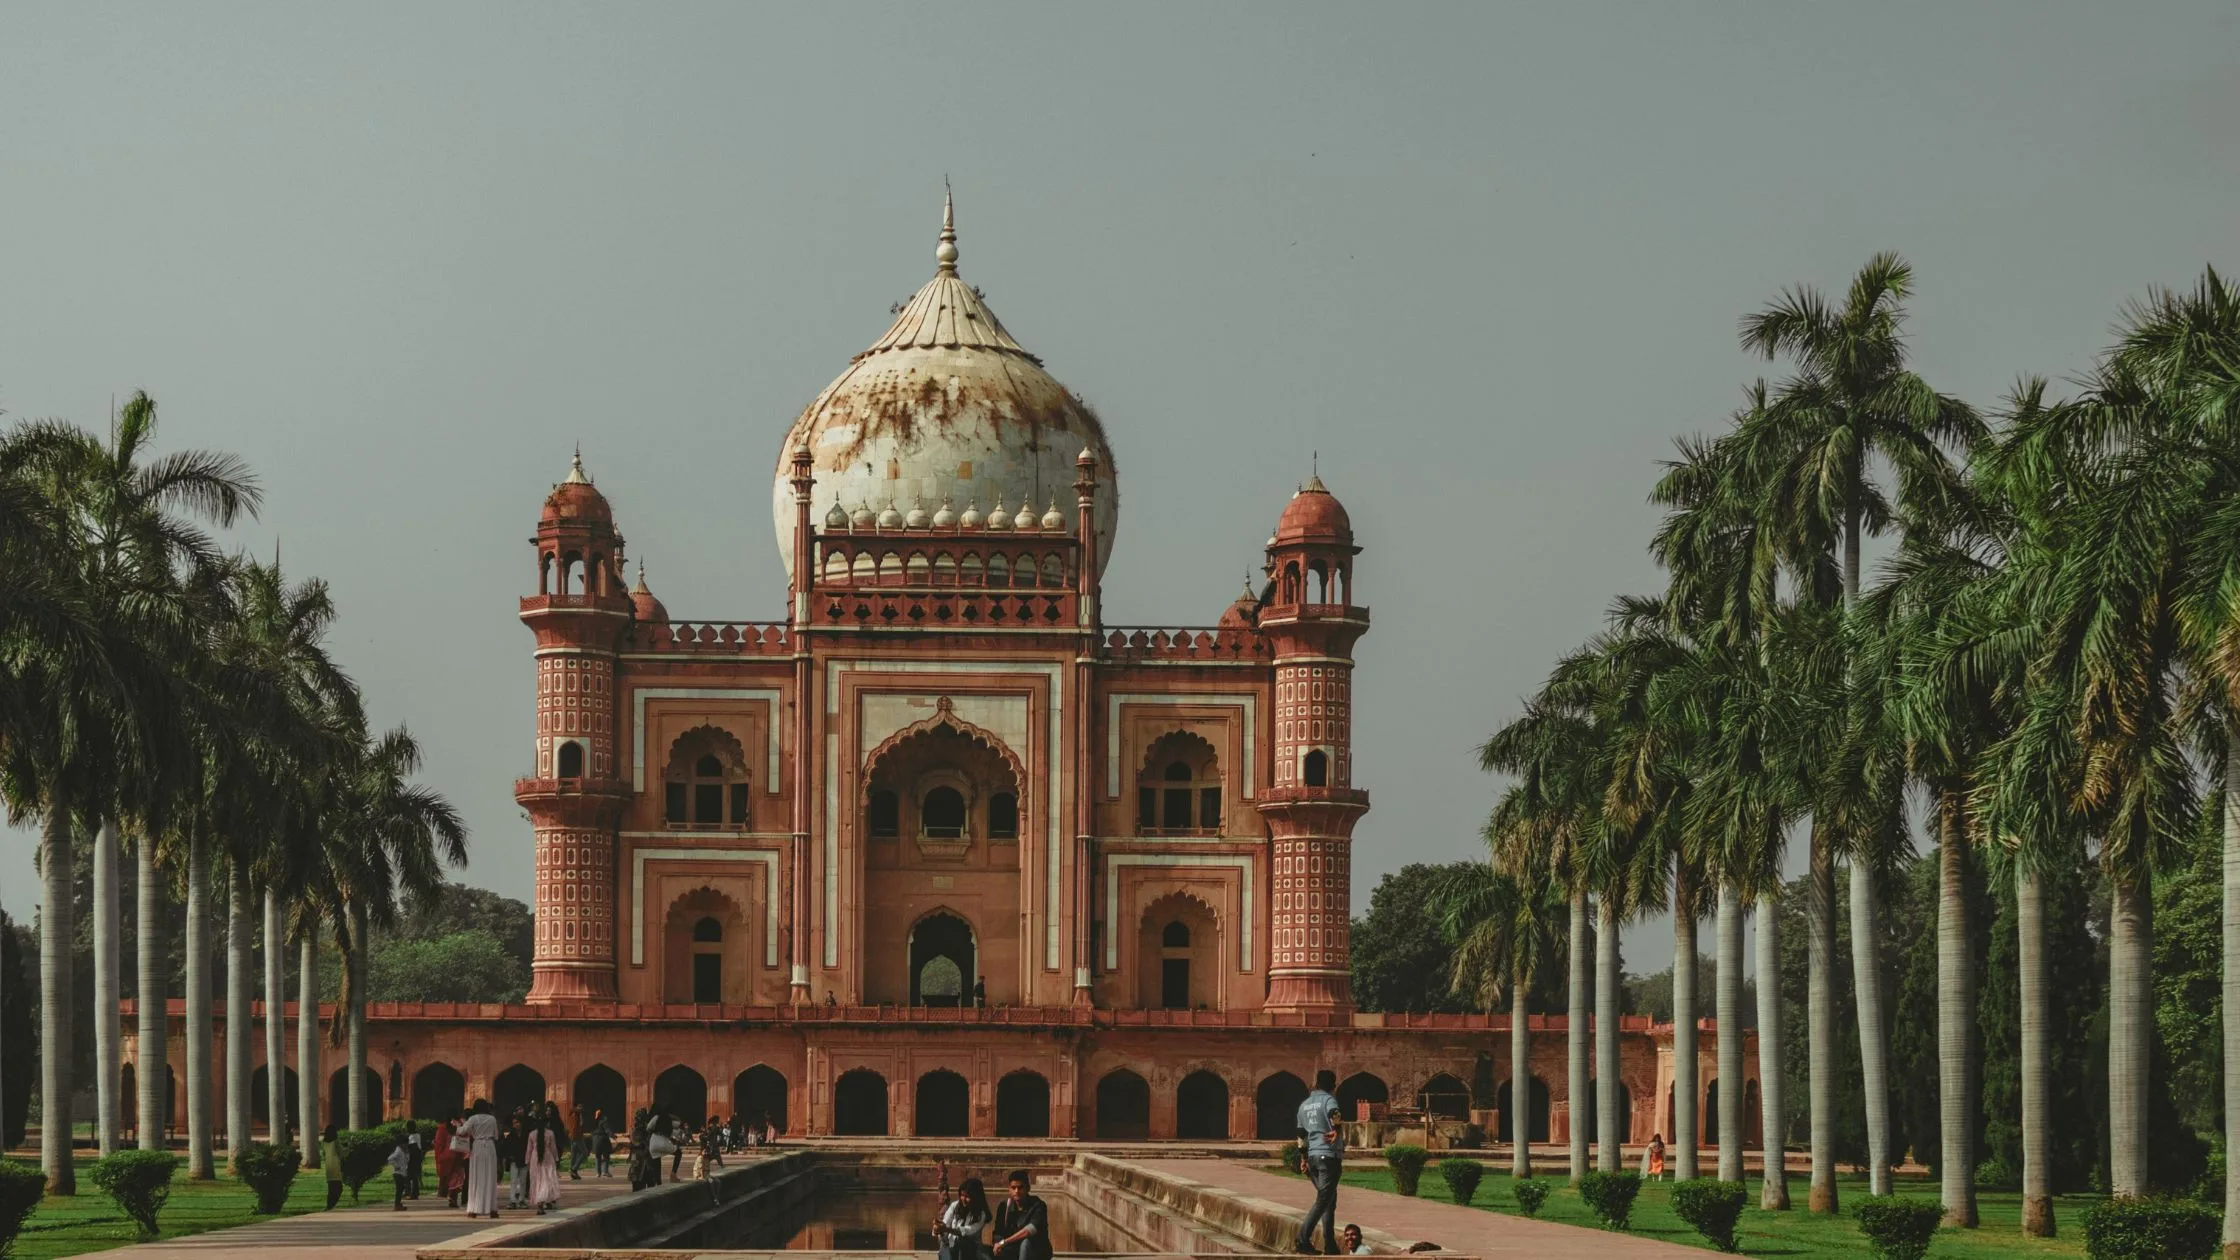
(1312, 805)
(581, 614)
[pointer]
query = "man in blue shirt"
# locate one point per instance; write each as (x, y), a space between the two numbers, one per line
(1318, 1133)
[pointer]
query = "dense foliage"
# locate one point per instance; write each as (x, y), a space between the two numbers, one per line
(1529, 1195)
(1898, 1228)
(18, 1041)
(1713, 1208)
(1407, 1166)
(20, 1189)
(365, 1153)
(269, 1171)
(139, 1182)
(2150, 1229)
(1611, 1195)
(1462, 1177)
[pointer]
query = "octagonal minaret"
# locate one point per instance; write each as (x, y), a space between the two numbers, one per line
(1312, 805)
(581, 614)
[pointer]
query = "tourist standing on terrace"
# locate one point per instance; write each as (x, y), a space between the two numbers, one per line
(480, 1133)
(1318, 1133)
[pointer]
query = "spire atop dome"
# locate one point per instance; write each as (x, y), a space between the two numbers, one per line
(947, 313)
(945, 254)
(576, 475)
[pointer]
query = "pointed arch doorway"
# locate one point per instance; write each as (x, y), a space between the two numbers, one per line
(943, 955)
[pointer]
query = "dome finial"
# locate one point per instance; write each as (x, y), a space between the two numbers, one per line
(575, 470)
(946, 253)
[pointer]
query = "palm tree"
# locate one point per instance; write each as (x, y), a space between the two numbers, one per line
(1852, 398)
(1502, 928)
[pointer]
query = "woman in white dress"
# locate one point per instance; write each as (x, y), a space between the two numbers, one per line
(481, 1133)
(545, 1141)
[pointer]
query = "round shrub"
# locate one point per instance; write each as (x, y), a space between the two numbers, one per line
(1997, 1174)
(1898, 1228)
(139, 1181)
(1611, 1195)
(1463, 1176)
(1714, 1207)
(1530, 1195)
(20, 1188)
(2165, 1229)
(269, 1171)
(1407, 1166)
(365, 1154)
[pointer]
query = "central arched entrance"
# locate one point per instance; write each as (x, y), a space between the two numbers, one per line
(942, 957)
(859, 1104)
(943, 1105)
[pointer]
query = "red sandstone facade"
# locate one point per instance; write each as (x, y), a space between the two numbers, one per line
(774, 860)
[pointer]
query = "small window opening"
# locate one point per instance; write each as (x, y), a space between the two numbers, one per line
(707, 929)
(1318, 768)
(571, 760)
(943, 813)
(885, 814)
(1175, 935)
(1003, 816)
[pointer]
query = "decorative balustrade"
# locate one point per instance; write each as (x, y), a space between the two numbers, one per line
(578, 599)
(957, 609)
(1209, 644)
(717, 638)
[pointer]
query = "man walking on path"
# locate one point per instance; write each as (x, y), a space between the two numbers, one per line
(1318, 1133)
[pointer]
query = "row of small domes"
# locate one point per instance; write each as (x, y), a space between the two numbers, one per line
(1025, 522)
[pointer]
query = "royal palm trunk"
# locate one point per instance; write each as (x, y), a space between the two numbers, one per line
(1687, 1048)
(1820, 1019)
(1576, 1032)
(2130, 1031)
(1956, 1015)
(356, 1014)
(1520, 1081)
(2231, 992)
(152, 1068)
(2037, 1124)
(1773, 1115)
(1730, 1032)
(199, 1028)
(1607, 1119)
(57, 864)
(275, 1022)
(1874, 1039)
(108, 982)
(308, 1084)
(238, 1000)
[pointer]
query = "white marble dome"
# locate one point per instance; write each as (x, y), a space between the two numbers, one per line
(946, 406)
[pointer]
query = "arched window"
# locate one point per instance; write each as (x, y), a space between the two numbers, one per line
(707, 781)
(1180, 789)
(943, 814)
(885, 814)
(1318, 768)
(707, 929)
(571, 760)
(1174, 966)
(999, 571)
(1175, 935)
(1003, 816)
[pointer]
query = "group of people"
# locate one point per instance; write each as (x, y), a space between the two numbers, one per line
(1021, 1222)
(525, 1146)
(657, 1134)
(1324, 1144)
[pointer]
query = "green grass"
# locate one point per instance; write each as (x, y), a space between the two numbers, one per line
(1792, 1233)
(89, 1221)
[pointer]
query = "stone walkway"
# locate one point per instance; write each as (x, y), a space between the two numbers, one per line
(371, 1231)
(1461, 1230)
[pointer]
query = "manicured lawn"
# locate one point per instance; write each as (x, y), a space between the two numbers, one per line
(89, 1221)
(1792, 1233)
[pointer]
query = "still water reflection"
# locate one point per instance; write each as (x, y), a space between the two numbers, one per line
(902, 1220)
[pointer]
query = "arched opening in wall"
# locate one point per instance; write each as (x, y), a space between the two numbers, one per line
(683, 1093)
(439, 1091)
(1445, 1097)
(1536, 1125)
(859, 1104)
(1023, 1105)
(944, 569)
(942, 813)
(836, 568)
(1053, 571)
(595, 576)
(1290, 583)
(338, 1096)
(1178, 789)
(759, 1093)
(1592, 1112)
(705, 949)
(943, 1106)
(571, 759)
(883, 815)
(1753, 1120)
(1123, 1107)
(1710, 1112)
(941, 961)
(1201, 1108)
(917, 572)
(1177, 955)
(999, 570)
(706, 782)
(517, 1086)
(545, 567)
(260, 1096)
(1022, 571)
(970, 572)
(890, 570)
(1318, 582)
(864, 571)
(571, 573)
(601, 1094)
(1276, 1107)
(1357, 1089)
(1003, 816)
(1339, 582)
(1316, 771)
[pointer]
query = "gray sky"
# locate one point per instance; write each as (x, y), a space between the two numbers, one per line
(1487, 259)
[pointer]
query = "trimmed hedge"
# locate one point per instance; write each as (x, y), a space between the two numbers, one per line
(139, 1182)
(20, 1189)
(1462, 1176)
(1898, 1228)
(1530, 1195)
(2151, 1229)
(1714, 1207)
(1611, 1195)
(269, 1170)
(365, 1153)
(1407, 1166)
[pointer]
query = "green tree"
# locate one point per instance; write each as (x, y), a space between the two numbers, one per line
(1401, 960)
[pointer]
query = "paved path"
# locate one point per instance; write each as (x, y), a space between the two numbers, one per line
(367, 1232)
(1464, 1231)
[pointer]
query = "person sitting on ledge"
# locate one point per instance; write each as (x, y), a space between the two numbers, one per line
(1349, 1241)
(1022, 1223)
